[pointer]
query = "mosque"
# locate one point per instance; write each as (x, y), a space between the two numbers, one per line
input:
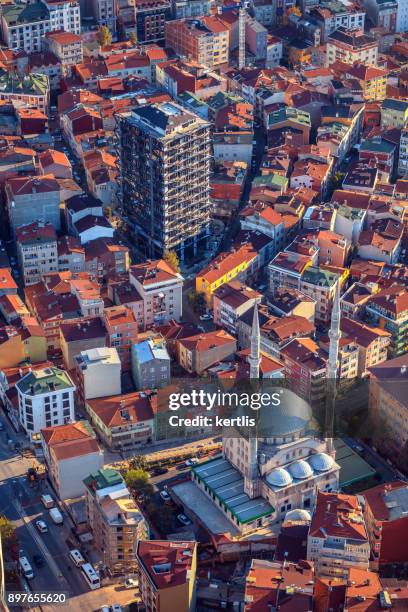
(260, 481)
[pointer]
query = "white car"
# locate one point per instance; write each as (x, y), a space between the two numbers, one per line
(41, 526)
(206, 317)
(165, 496)
(191, 461)
(131, 583)
(104, 609)
(116, 608)
(183, 519)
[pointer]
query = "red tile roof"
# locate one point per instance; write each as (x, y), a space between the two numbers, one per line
(152, 272)
(337, 515)
(6, 280)
(65, 433)
(178, 556)
(206, 341)
(122, 410)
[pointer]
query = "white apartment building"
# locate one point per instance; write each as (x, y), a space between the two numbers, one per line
(64, 15)
(402, 16)
(104, 13)
(45, 398)
(24, 25)
(274, 52)
(160, 288)
(98, 373)
(182, 9)
(337, 537)
(36, 251)
(403, 154)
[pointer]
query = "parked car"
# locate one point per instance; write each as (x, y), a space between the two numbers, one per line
(131, 583)
(206, 317)
(159, 471)
(1, 426)
(165, 496)
(191, 461)
(38, 560)
(41, 526)
(183, 519)
(116, 608)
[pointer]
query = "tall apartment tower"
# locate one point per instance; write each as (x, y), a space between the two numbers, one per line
(164, 155)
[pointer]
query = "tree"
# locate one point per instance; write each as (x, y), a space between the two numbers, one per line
(8, 538)
(104, 36)
(171, 258)
(197, 300)
(336, 180)
(133, 38)
(138, 463)
(6, 529)
(138, 481)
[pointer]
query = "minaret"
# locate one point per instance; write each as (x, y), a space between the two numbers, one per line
(254, 358)
(332, 366)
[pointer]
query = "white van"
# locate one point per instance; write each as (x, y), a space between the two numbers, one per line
(47, 500)
(76, 557)
(56, 516)
(26, 568)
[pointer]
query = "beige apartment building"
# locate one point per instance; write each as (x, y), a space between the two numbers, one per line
(36, 251)
(167, 575)
(98, 372)
(116, 521)
(337, 538)
(205, 40)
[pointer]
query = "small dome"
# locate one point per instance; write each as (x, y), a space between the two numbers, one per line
(321, 462)
(300, 469)
(299, 514)
(279, 477)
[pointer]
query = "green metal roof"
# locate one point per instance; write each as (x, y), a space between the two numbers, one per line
(317, 276)
(31, 84)
(377, 144)
(288, 113)
(352, 467)
(227, 484)
(17, 14)
(273, 180)
(103, 478)
(44, 381)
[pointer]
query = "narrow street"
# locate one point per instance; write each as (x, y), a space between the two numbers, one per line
(21, 504)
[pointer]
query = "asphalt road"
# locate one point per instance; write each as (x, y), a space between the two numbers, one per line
(21, 504)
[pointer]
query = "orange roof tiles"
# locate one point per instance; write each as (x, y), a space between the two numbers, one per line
(227, 261)
(206, 341)
(178, 555)
(6, 280)
(51, 156)
(111, 410)
(337, 515)
(151, 272)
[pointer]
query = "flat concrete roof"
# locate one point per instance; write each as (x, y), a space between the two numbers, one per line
(208, 513)
(352, 467)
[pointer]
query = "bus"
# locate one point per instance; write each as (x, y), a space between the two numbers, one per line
(91, 576)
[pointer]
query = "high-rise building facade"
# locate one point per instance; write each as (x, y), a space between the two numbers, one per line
(164, 155)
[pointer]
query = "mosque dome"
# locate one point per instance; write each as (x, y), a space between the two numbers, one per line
(298, 514)
(279, 477)
(321, 462)
(288, 418)
(300, 470)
